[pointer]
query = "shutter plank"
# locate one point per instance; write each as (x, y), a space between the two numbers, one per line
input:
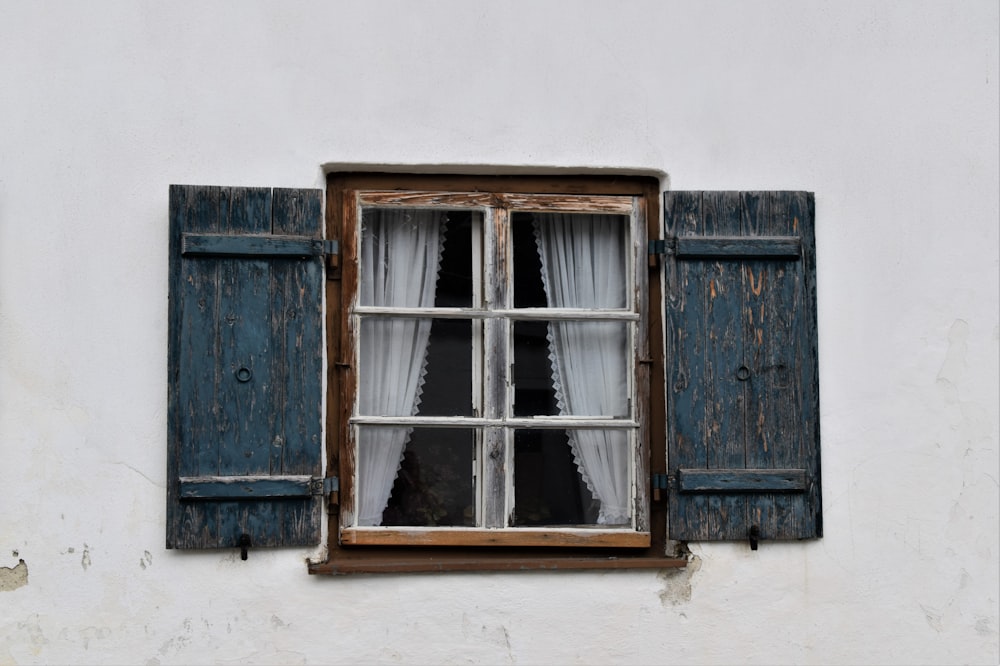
(725, 427)
(297, 332)
(771, 343)
(685, 341)
(199, 336)
(244, 377)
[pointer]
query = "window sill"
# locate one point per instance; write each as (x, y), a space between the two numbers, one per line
(367, 561)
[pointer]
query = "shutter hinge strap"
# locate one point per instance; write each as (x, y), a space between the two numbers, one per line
(662, 246)
(331, 247)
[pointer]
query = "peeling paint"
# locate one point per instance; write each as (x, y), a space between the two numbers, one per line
(677, 582)
(14, 577)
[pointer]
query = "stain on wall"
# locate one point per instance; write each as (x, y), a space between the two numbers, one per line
(677, 582)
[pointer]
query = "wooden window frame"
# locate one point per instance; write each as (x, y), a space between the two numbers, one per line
(454, 550)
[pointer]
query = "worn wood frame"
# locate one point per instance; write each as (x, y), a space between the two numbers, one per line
(361, 550)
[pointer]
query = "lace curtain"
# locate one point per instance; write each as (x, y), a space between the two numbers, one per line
(400, 259)
(583, 266)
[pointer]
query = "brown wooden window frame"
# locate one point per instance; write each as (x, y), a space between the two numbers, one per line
(354, 551)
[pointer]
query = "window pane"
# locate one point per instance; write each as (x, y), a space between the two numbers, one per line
(533, 391)
(573, 368)
(435, 482)
(448, 389)
(412, 366)
(529, 292)
(455, 281)
(416, 257)
(570, 260)
(571, 477)
(548, 488)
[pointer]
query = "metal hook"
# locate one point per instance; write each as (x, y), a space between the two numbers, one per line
(244, 543)
(754, 535)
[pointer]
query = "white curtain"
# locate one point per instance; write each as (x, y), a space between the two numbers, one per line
(583, 266)
(400, 259)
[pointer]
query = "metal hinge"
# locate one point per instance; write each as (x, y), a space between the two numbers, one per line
(325, 486)
(659, 483)
(331, 250)
(330, 488)
(663, 246)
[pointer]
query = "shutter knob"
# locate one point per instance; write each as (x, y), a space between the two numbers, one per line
(243, 374)
(743, 373)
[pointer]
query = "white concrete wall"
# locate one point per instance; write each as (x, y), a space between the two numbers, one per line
(887, 110)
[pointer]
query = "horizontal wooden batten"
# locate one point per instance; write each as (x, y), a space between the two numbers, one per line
(532, 537)
(254, 246)
(764, 247)
(741, 480)
(246, 487)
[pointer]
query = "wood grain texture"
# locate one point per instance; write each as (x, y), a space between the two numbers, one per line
(563, 538)
(248, 246)
(374, 560)
(245, 366)
(742, 387)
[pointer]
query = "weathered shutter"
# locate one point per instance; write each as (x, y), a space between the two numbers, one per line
(742, 386)
(245, 341)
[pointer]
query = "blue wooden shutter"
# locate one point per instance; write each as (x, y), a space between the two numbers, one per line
(245, 367)
(742, 384)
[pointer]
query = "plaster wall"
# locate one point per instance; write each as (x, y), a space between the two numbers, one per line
(887, 110)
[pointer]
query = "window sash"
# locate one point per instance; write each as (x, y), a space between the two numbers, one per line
(495, 314)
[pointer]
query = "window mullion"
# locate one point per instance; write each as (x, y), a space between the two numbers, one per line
(496, 380)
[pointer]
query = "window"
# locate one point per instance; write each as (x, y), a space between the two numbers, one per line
(521, 372)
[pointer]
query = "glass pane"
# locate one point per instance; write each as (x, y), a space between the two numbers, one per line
(573, 368)
(533, 391)
(435, 482)
(571, 477)
(416, 257)
(455, 281)
(411, 366)
(548, 488)
(570, 260)
(529, 292)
